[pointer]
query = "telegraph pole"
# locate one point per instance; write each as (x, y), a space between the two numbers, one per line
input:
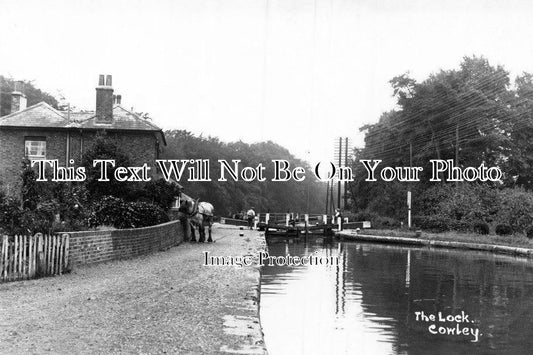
(327, 198)
(409, 191)
(342, 160)
(345, 164)
(339, 182)
(457, 149)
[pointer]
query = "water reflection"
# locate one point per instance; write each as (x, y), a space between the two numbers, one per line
(366, 304)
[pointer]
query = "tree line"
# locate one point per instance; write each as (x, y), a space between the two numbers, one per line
(474, 114)
(231, 197)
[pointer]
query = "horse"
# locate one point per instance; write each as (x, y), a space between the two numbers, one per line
(199, 214)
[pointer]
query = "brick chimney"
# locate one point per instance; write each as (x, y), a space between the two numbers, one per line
(18, 99)
(104, 100)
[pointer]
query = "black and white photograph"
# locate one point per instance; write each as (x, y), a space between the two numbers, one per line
(276, 177)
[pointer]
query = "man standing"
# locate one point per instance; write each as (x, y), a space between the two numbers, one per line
(251, 216)
(338, 215)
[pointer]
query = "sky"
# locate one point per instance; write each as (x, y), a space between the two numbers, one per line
(298, 72)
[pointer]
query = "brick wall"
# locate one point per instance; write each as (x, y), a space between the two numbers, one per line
(91, 247)
(12, 152)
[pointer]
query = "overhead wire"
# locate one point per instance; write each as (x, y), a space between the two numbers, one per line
(452, 116)
(485, 83)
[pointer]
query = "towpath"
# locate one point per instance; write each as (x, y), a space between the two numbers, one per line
(163, 303)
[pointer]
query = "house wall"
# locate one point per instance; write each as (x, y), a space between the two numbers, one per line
(12, 153)
(91, 247)
(140, 146)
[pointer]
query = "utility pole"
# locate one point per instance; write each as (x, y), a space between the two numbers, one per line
(457, 149)
(339, 182)
(409, 191)
(327, 198)
(345, 164)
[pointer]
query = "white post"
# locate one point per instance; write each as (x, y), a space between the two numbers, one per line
(256, 219)
(267, 218)
(287, 217)
(409, 209)
(325, 217)
(339, 222)
(408, 269)
(306, 217)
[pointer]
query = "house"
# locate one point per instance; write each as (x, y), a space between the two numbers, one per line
(42, 132)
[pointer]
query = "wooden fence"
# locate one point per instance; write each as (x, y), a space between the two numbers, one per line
(26, 257)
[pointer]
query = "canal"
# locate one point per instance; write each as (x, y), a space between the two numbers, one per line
(389, 299)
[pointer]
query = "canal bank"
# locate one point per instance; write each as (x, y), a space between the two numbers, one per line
(502, 249)
(166, 302)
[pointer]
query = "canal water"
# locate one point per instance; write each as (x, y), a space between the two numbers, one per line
(383, 299)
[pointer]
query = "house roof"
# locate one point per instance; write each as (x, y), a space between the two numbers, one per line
(43, 115)
(40, 115)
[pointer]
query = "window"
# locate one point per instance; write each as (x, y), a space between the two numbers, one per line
(35, 148)
(177, 202)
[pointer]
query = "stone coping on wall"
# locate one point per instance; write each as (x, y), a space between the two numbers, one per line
(503, 249)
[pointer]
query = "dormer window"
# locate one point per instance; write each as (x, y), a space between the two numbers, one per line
(35, 148)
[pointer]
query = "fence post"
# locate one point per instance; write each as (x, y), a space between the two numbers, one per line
(5, 242)
(31, 256)
(54, 254)
(15, 257)
(67, 250)
(25, 255)
(21, 256)
(60, 259)
(40, 254)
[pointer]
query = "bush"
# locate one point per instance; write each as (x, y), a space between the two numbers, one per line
(385, 222)
(481, 228)
(529, 232)
(114, 211)
(461, 226)
(37, 221)
(111, 211)
(516, 209)
(436, 224)
(148, 214)
(365, 216)
(504, 229)
(160, 192)
(10, 216)
(469, 203)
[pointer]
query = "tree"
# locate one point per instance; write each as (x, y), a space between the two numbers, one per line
(106, 147)
(470, 114)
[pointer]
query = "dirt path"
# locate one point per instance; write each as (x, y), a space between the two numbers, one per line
(166, 302)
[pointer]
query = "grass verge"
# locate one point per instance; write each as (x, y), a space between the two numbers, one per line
(514, 240)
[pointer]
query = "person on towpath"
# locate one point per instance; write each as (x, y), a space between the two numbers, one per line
(251, 216)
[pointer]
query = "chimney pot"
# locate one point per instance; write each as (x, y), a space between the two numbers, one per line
(101, 80)
(18, 86)
(108, 81)
(119, 99)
